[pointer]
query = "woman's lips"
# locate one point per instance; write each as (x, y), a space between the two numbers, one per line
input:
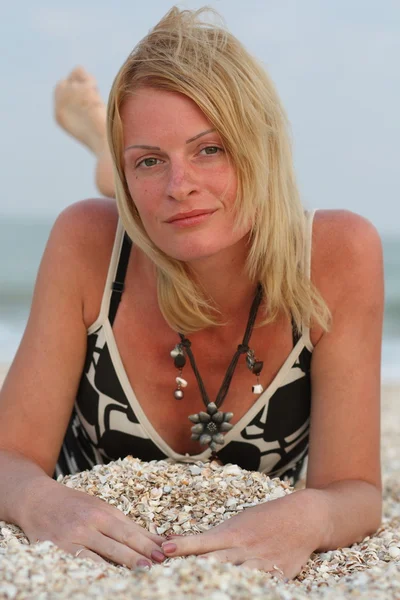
(190, 218)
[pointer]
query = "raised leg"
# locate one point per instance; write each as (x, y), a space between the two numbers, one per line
(80, 111)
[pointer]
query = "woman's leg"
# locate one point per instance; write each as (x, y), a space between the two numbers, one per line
(80, 111)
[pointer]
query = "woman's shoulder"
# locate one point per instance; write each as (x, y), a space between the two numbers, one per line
(88, 220)
(346, 247)
(87, 228)
(340, 236)
(85, 232)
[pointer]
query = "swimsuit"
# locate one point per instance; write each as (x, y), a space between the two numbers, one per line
(107, 421)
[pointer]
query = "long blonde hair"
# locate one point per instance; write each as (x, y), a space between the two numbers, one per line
(185, 53)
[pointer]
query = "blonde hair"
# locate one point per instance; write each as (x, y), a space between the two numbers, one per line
(186, 54)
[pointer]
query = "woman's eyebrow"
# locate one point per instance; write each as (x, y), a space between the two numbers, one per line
(192, 139)
(200, 134)
(143, 147)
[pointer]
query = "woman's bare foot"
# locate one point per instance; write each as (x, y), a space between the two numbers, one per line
(80, 111)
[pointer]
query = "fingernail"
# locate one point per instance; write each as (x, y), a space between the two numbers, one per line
(159, 556)
(143, 563)
(168, 548)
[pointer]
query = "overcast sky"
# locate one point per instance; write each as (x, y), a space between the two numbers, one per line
(335, 64)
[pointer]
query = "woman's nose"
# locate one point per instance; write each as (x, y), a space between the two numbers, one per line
(181, 182)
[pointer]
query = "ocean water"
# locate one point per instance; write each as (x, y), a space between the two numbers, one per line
(22, 242)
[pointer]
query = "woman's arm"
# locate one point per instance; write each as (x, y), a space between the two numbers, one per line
(344, 454)
(39, 391)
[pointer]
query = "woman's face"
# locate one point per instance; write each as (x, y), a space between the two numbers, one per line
(179, 176)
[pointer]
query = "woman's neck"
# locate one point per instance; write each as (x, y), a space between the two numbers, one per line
(222, 277)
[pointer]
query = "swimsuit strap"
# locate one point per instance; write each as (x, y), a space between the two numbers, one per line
(117, 286)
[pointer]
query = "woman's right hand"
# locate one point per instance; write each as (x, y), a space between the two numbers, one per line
(73, 520)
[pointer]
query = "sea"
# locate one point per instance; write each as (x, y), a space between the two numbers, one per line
(22, 241)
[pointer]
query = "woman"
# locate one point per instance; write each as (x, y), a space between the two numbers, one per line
(231, 298)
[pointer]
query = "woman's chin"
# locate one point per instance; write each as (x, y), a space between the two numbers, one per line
(191, 255)
(208, 245)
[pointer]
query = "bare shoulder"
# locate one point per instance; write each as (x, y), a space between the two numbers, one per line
(347, 264)
(346, 234)
(87, 222)
(82, 238)
(345, 246)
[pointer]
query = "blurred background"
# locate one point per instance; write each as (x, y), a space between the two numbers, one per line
(336, 66)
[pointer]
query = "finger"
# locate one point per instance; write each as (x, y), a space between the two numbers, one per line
(255, 563)
(193, 544)
(113, 550)
(86, 553)
(133, 537)
(158, 539)
(235, 556)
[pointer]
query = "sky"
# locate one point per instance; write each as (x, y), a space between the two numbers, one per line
(335, 65)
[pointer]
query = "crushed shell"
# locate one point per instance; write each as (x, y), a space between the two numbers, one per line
(190, 498)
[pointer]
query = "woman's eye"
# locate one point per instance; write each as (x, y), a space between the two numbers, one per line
(148, 162)
(211, 150)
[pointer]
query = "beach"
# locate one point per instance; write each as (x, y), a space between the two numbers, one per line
(368, 570)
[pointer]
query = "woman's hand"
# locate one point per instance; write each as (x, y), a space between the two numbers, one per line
(276, 536)
(73, 520)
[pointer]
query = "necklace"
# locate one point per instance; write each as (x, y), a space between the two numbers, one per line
(210, 426)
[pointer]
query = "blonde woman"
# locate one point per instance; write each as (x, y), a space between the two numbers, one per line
(203, 315)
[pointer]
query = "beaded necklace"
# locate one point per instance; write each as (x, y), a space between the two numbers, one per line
(210, 426)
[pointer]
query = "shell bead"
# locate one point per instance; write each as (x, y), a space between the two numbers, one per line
(204, 417)
(175, 352)
(218, 417)
(218, 438)
(257, 389)
(194, 418)
(181, 382)
(205, 439)
(225, 427)
(197, 428)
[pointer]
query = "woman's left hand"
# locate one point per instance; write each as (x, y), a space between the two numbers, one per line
(277, 536)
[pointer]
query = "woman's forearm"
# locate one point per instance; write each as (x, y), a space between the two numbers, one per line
(19, 476)
(343, 513)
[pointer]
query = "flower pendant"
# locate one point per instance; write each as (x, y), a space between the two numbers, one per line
(209, 426)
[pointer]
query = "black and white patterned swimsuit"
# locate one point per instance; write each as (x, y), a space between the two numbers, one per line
(108, 423)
